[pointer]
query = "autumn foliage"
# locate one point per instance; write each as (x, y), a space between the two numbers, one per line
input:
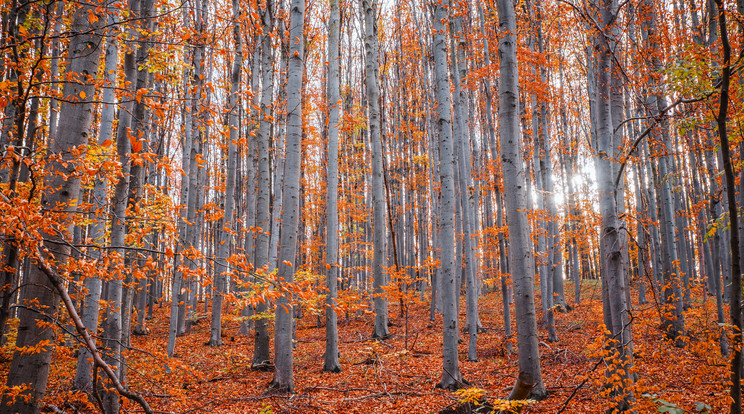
(534, 205)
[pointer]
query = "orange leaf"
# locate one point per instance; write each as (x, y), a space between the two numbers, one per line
(136, 146)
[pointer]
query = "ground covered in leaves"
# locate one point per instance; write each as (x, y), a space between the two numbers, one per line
(400, 374)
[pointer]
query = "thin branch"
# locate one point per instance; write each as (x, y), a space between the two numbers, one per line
(577, 388)
(654, 121)
(58, 283)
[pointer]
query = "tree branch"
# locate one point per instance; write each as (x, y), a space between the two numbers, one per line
(58, 284)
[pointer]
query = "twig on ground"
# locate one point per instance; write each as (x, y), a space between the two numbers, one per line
(578, 387)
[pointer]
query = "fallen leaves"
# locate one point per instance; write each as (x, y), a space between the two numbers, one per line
(384, 376)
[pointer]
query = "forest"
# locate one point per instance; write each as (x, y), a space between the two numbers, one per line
(448, 206)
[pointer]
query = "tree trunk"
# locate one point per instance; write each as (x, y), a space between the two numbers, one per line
(378, 189)
(32, 369)
(97, 231)
(262, 350)
(613, 279)
(331, 362)
(735, 300)
(521, 260)
(451, 377)
(183, 223)
(115, 311)
(463, 161)
(283, 343)
(674, 324)
(227, 224)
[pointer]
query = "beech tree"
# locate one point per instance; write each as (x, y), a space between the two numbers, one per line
(262, 262)
(97, 232)
(40, 298)
(378, 191)
(735, 305)
(322, 169)
(672, 278)
(283, 341)
(467, 190)
(451, 377)
(521, 260)
(226, 225)
(334, 101)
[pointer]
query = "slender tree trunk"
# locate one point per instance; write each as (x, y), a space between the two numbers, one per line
(227, 224)
(613, 279)
(115, 311)
(451, 377)
(283, 378)
(262, 349)
(502, 258)
(11, 136)
(183, 224)
(140, 135)
(378, 189)
(674, 324)
(97, 231)
(279, 160)
(735, 300)
(521, 260)
(331, 362)
(463, 161)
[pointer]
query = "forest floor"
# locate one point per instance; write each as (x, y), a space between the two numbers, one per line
(387, 377)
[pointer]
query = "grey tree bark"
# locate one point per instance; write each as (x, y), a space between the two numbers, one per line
(74, 130)
(331, 362)
(227, 224)
(11, 144)
(140, 134)
(261, 354)
(735, 300)
(378, 190)
(615, 304)
(283, 342)
(142, 127)
(197, 173)
(183, 223)
(521, 260)
(11, 130)
(115, 311)
(249, 245)
(278, 161)
(451, 377)
(496, 197)
(97, 231)
(467, 190)
(672, 288)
